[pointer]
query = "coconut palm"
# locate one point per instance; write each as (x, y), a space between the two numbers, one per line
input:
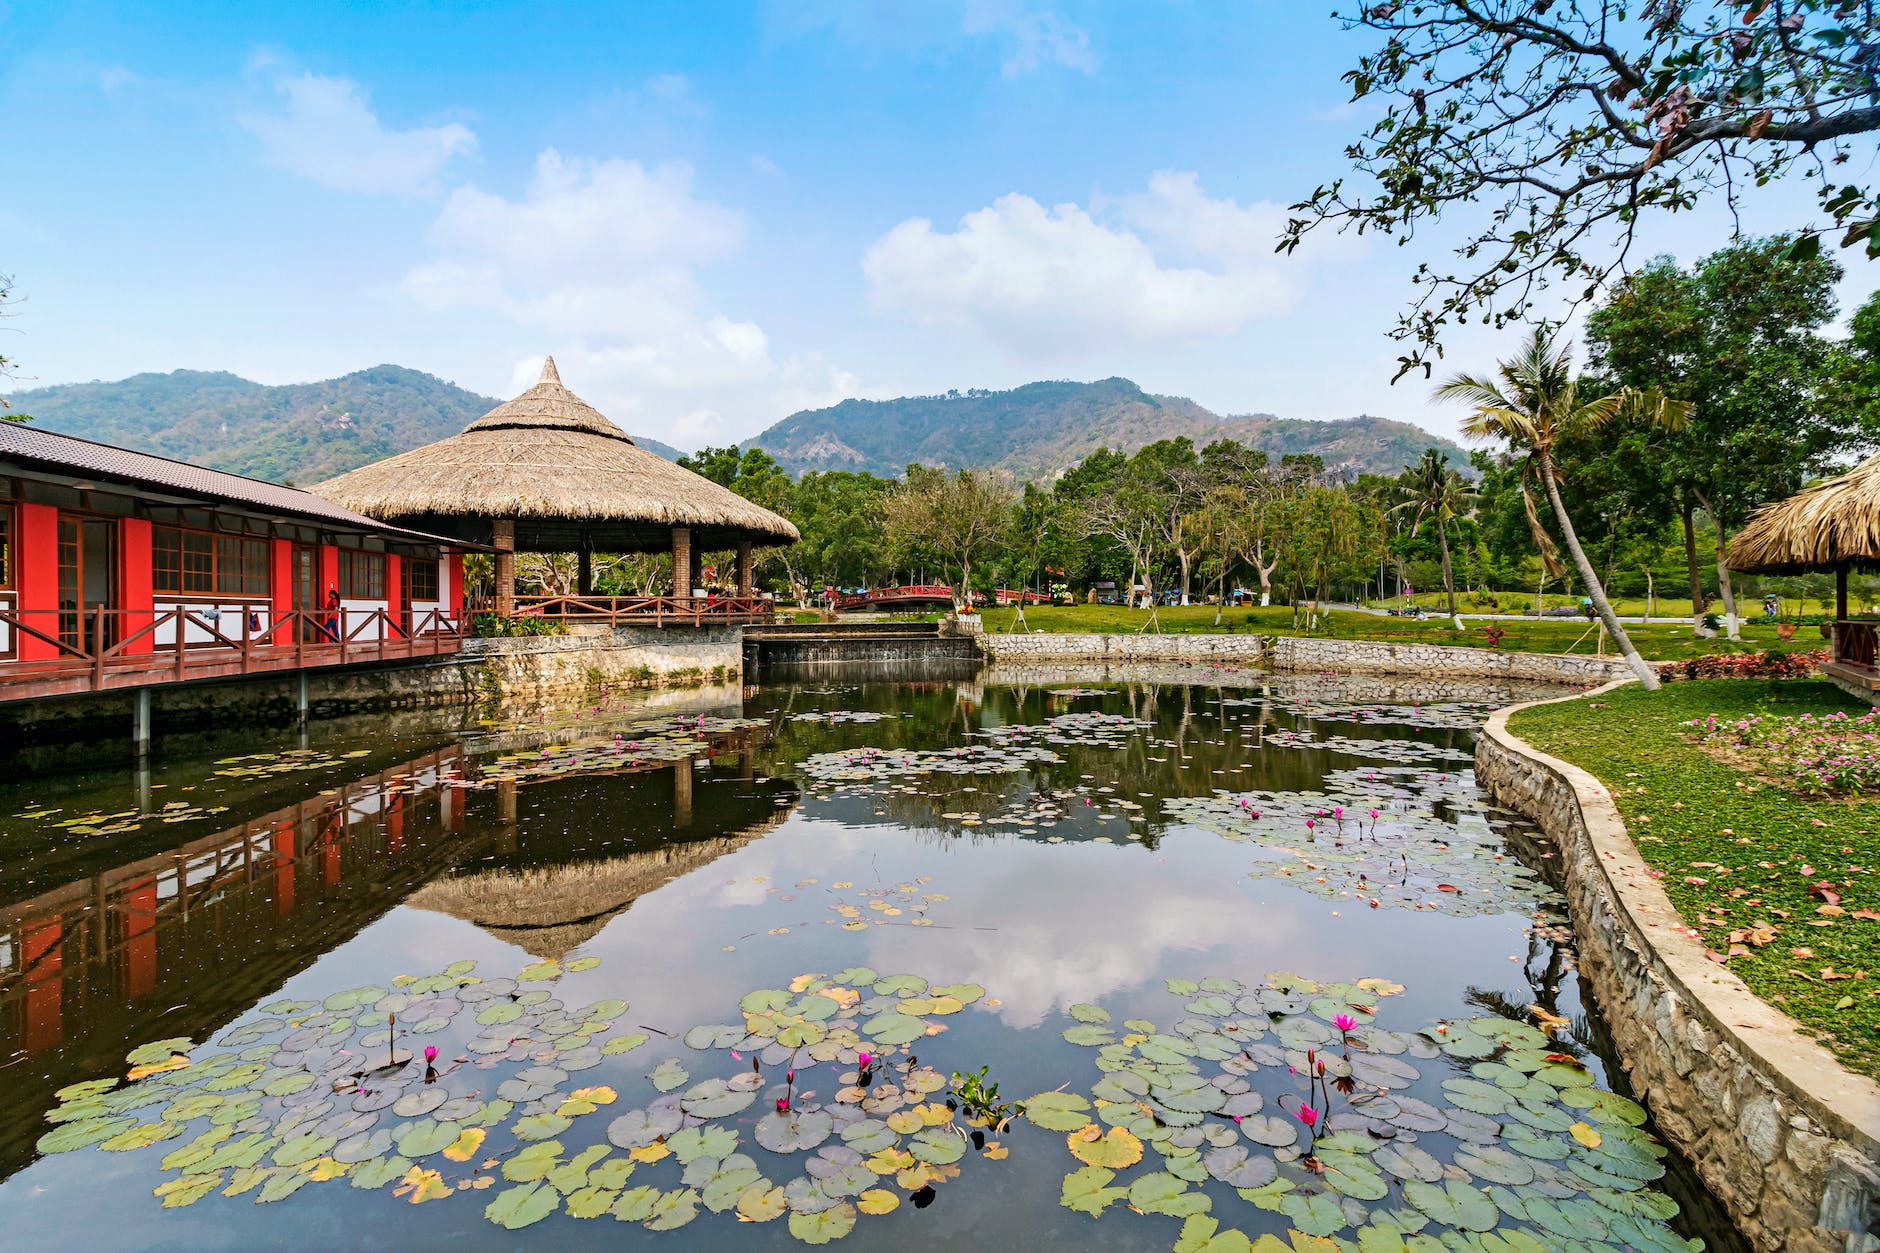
(1536, 404)
(1434, 490)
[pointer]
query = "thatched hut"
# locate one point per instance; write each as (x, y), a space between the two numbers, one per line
(1834, 525)
(547, 472)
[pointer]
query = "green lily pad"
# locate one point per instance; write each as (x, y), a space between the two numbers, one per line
(894, 1027)
(824, 1226)
(716, 1098)
(1088, 1191)
(669, 1075)
(1161, 1193)
(1452, 1203)
(86, 1131)
(715, 1143)
(518, 1207)
(1057, 1111)
(672, 1210)
(793, 1132)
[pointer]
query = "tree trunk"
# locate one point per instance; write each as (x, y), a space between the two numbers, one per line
(1690, 561)
(1449, 580)
(1727, 592)
(1647, 676)
(1183, 554)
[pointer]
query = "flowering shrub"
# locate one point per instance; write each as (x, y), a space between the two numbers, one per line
(1812, 753)
(1796, 665)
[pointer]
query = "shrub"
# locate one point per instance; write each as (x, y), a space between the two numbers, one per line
(489, 624)
(1812, 753)
(1795, 665)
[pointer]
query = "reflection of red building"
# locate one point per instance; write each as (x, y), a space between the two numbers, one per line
(121, 569)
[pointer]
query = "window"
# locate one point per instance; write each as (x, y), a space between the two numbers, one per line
(361, 575)
(421, 579)
(198, 563)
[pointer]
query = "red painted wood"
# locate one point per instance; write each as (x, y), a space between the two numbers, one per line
(38, 578)
(139, 912)
(284, 867)
(395, 591)
(453, 595)
(45, 984)
(280, 578)
(135, 594)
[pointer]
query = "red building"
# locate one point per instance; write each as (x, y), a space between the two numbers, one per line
(121, 569)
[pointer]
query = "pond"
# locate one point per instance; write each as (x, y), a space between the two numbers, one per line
(1181, 964)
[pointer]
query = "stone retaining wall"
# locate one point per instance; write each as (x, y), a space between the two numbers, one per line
(534, 667)
(1381, 657)
(1785, 1138)
(1046, 646)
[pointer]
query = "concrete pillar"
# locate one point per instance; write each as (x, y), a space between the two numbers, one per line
(682, 564)
(300, 697)
(503, 539)
(140, 722)
(744, 567)
(682, 793)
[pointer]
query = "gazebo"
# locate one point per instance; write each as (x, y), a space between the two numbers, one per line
(547, 472)
(1834, 525)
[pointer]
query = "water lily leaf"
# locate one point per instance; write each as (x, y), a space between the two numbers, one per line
(640, 1127)
(539, 972)
(353, 998)
(669, 1075)
(672, 1210)
(1315, 1213)
(894, 1027)
(877, 1201)
(1235, 1167)
(1162, 1193)
(540, 1126)
(1057, 1111)
(715, 1098)
(141, 1137)
(1407, 1161)
(624, 1043)
(737, 1175)
(716, 1143)
(1182, 987)
(1088, 1191)
(965, 993)
(197, 1150)
(635, 1204)
(1115, 1149)
(586, 1101)
(713, 1036)
(799, 1034)
(304, 1148)
(937, 1146)
(1211, 1006)
(869, 1136)
(1494, 1164)
(186, 1189)
(282, 1184)
(761, 1204)
(1271, 1130)
(764, 999)
(1089, 1035)
(591, 1202)
(416, 1104)
(1452, 1203)
(518, 1207)
(497, 1013)
(1089, 1013)
(159, 1051)
(378, 1173)
(824, 1226)
(420, 1185)
(581, 964)
(793, 1132)
(900, 985)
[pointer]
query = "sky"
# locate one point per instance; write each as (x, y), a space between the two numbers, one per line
(713, 214)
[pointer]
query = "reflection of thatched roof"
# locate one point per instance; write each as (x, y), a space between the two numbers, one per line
(551, 910)
(1831, 524)
(548, 458)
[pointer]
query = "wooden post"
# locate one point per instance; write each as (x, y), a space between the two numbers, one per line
(1840, 610)
(682, 564)
(744, 568)
(503, 539)
(584, 573)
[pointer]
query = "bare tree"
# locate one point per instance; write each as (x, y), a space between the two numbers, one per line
(960, 517)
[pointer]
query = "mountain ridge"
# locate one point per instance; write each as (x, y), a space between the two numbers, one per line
(1040, 429)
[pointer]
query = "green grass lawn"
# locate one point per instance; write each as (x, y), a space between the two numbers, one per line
(1670, 605)
(1666, 641)
(1736, 852)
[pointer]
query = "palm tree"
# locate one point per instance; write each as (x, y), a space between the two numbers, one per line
(1436, 491)
(1535, 405)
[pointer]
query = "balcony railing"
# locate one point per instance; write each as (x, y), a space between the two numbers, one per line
(655, 611)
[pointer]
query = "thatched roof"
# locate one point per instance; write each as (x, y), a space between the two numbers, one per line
(550, 911)
(1833, 523)
(569, 477)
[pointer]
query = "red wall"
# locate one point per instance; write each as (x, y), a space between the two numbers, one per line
(395, 590)
(37, 579)
(453, 595)
(281, 587)
(134, 584)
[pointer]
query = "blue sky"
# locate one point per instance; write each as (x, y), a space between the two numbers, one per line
(711, 213)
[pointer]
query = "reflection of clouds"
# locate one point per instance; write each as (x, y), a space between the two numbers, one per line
(774, 865)
(1103, 924)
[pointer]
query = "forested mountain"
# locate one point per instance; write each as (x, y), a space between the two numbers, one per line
(1041, 428)
(299, 432)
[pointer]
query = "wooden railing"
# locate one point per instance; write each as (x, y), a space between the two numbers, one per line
(913, 592)
(657, 611)
(182, 643)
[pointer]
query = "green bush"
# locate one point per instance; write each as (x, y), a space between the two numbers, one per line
(495, 625)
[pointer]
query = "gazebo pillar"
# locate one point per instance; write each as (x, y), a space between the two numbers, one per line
(503, 539)
(744, 567)
(682, 562)
(584, 572)
(698, 569)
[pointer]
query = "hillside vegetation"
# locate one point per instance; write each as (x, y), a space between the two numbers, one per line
(298, 433)
(1042, 428)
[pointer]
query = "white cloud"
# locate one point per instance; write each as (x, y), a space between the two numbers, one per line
(1169, 264)
(326, 132)
(599, 259)
(1033, 36)
(1037, 37)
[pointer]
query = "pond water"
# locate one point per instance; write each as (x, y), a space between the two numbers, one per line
(1254, 954)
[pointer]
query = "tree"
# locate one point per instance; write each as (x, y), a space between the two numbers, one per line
(960, 517)
(6, 363)
(1535, 405)
(1571, 121)
(1738, 335)
(1434, 490)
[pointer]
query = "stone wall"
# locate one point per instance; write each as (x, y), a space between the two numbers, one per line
(1121, 649)
(1785, 1138)
(536, 667)
(1380, 657)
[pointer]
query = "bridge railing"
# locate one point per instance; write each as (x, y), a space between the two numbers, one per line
(656, 611)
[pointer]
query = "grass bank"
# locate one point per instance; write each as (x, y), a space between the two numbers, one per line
(1667, 641)
(1737, 854)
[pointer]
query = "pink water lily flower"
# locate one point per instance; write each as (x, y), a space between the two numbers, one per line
(1345, 1023)
(430, 1053)
(863, 1059)
(1308, 1116)
(783, 1105)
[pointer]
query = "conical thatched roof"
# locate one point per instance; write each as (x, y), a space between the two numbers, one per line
(568, 476)
(1833, 523)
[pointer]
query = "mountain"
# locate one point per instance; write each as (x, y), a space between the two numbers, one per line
(1042, 428)
(296, 433)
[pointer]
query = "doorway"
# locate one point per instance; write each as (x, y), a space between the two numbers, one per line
(306, 591)
(87, 579)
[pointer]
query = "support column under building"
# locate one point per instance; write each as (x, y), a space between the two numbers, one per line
(503, 539)
(682, 565)
(744, 567)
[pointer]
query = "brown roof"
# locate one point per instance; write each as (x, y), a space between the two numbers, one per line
(1834, 523)
(559, 468)
(32, 445)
